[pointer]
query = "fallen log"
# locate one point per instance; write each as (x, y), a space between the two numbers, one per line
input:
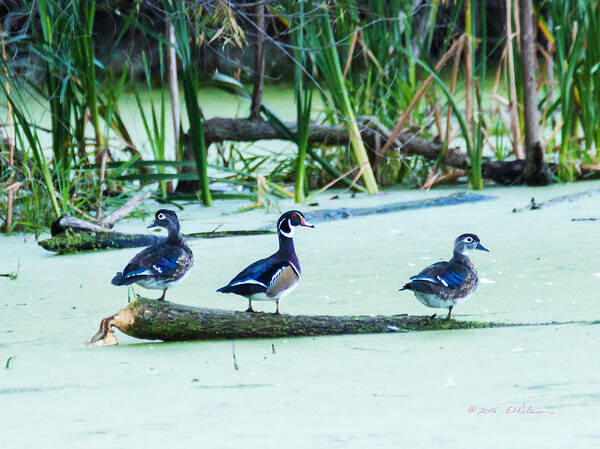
(70, 234)
(132, 204)
(373, 133)
(150, 319)
(73, 241)
(158, 320)
(68, 222)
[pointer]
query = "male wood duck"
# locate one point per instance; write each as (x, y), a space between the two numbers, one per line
(276, 276)
(446, 284)
(162, 266)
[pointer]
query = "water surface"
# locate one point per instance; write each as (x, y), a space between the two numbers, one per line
(347, 391)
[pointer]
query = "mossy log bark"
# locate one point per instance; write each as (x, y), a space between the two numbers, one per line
(76, 241)
(156, 320)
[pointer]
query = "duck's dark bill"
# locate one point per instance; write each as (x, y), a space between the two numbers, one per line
(481, 247)
(303, 222)
(153, 225)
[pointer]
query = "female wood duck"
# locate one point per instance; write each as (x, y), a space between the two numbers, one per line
(159, 267)
(446, 284)
(276, 276)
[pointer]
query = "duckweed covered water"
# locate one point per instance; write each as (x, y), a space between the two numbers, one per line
(422, 390)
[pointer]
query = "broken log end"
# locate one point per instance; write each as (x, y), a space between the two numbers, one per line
(105, 336)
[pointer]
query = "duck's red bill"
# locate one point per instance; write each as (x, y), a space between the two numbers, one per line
(303, 222)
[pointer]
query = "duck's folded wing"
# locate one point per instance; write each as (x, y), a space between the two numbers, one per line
(153, 261)
(257, 278)
(443, 273)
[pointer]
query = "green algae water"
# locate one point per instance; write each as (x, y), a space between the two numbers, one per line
(214, 102)
(456, 389)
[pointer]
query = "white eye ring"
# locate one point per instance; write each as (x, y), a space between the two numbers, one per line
(469, 239)
(161, 216)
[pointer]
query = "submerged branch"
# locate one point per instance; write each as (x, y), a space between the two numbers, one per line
(534, 205)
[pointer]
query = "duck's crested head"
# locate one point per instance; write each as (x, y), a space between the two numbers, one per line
(165, 218)
(468, 242)
(288, 222)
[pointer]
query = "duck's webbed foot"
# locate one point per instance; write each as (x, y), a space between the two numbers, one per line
(250, 309)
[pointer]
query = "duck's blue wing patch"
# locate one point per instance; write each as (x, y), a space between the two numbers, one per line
(429, 274)
(452, 278)
(154, 261)
(165, 265)
(442, 273)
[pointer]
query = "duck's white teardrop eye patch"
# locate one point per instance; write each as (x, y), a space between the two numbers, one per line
(469, 239)
(161, 216)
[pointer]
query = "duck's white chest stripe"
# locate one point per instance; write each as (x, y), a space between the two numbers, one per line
(276, 275)
(295, 269)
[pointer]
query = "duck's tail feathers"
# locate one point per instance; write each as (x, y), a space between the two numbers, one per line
(119, 279)
(226, 289)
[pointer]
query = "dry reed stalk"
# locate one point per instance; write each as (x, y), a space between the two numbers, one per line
(488, 141)
(555, 131)
(517, 22)
(498, 74)
(433, 175)
(548, 72)
(402, 119)
(514, 117)
(351, 51)
(83, 213)
(453, 79)
(11, 147)
(173, 85)
(368, 53)
(469, 72)
(104, 157)
(503, 102)
(332, 183)
(259, 62)
(437, 115)
(439, 177)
